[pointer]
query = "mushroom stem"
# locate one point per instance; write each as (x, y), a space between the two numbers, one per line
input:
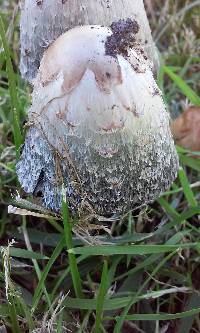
(43, 21)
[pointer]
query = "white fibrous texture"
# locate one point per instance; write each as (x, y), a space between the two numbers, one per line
(42, 21)
(98, 125)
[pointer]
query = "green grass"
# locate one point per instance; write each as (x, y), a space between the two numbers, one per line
(69, 243)
(101, 297)
(146, 272)
(18, 140)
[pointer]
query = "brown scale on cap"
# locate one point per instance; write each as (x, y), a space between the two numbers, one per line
(123, 37)
(39, 2)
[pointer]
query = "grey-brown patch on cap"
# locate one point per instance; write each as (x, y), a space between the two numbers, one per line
(72, 78)
(39, 2)
(107, 73)
(156, 91)
(113, 127)
(123, 37)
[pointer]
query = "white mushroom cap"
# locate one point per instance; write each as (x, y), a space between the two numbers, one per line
(91, 93)
(44, 21)
(105, 116)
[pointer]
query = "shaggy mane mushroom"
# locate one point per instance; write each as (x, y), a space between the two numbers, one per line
(98, 124)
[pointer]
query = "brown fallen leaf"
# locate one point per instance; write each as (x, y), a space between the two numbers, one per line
(186, 129)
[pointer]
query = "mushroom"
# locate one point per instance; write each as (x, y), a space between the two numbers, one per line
(97, 124)
(45, 20)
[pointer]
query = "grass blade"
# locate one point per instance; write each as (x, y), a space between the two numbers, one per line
(44, 274)
(186, 188)
(69, 242)
(187, 321)
(190, 162)
(35, 263)
(13, 316)
(184, 87)
(119, 302)
(160, 316)
(151, 259)
(12, 88)
(130, 249)
(121, 319)
(101, 297)
(22, 253)
(27, 313)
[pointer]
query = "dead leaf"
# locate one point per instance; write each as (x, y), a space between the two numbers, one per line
(186, 129)
(25, 212)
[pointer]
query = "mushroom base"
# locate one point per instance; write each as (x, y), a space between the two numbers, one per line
(103, 184)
